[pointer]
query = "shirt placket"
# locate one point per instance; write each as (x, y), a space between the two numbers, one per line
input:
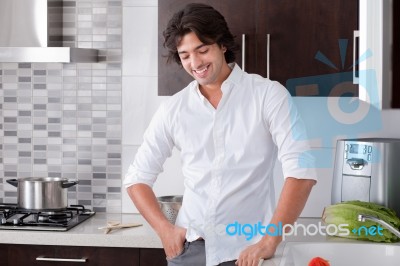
(216, 175)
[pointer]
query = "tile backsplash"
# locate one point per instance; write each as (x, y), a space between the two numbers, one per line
(65, 119)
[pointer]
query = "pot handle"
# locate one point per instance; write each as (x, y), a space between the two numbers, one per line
(13, 182)
(68, 184)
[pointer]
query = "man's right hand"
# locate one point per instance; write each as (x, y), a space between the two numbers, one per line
(173, 238)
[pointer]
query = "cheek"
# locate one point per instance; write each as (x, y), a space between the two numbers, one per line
(186, 66)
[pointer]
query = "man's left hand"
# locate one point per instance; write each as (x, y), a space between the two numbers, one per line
(252, 255)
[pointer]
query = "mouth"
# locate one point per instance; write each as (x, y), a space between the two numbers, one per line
(201, 72)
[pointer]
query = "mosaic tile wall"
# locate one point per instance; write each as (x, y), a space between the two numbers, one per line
(65, 119)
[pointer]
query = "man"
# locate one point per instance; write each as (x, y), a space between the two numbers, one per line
(229, 127)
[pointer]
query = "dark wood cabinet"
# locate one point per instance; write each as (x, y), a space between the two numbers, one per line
(3, 255)
(297, 30)
(16, 255)
(152, 257)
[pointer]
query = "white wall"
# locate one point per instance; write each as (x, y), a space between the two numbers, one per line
(140, 100)
(139, 92)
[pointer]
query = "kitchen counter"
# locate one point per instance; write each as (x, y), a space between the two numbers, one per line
(88, 234)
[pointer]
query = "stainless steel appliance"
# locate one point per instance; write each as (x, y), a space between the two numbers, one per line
(31, 31)
(13, 217)
(42, 193)
(367, 169)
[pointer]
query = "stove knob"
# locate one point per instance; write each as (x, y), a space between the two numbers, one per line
(16, 221)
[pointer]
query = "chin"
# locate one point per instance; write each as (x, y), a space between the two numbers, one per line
(203, 82)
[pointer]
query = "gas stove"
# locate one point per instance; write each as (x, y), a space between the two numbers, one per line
(14, 218)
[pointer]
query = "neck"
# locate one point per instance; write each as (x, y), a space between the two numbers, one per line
(213, 92)
(212, 95)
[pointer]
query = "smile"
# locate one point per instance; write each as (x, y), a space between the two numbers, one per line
(201, 71)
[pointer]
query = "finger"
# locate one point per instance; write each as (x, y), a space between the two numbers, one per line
(174, 254)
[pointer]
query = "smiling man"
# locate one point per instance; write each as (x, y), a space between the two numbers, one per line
(230, 127)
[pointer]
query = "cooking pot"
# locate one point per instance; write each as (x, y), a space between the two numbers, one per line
(42, 193)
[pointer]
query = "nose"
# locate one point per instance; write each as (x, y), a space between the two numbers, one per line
(196, 61)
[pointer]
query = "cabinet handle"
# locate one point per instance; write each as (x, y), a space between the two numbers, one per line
(43, 258)
(356, 37)
(268, 53)
(243, 51)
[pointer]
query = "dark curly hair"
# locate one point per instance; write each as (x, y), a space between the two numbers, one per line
(206, 22)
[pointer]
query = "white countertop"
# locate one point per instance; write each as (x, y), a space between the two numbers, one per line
(88, 234)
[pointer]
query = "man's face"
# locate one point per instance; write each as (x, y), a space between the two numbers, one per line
(203, 62)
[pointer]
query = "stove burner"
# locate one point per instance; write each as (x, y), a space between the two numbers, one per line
(12, 217)
(54, 217)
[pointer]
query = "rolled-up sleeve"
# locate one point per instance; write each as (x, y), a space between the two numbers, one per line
(156, 148)
(289, 134)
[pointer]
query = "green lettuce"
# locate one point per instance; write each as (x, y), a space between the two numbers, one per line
(347, 213)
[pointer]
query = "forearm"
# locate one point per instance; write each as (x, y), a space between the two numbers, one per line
(146, 202)
(292, 200)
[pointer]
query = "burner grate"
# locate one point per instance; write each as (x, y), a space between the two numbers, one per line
(12, 217)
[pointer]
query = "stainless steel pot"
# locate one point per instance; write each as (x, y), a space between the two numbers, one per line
(42, 193)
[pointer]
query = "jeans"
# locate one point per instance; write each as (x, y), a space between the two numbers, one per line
(194, 254)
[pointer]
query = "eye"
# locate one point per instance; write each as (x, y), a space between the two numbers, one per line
(184, 57)
(203, 51)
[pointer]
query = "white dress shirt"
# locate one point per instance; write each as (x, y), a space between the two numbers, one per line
(227, 154)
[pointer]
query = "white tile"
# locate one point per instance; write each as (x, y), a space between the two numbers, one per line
(139, 103)
(170, 182)
(140, 3)
(320, 196)
(140, 44)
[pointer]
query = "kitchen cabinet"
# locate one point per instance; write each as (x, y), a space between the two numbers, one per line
(16, 255)
(282, 38)
(298, 31)
(152, 256)
(3, 255)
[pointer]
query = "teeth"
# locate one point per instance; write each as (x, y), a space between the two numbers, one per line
(201, 70)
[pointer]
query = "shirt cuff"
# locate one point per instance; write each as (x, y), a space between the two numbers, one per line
(134, 177)
(302, 167)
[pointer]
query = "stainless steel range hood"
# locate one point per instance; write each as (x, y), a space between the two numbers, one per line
(31, 31)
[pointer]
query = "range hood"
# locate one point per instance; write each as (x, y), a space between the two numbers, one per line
(32, 31)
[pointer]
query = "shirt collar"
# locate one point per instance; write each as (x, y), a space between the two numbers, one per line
(234, 78)
(236, 75)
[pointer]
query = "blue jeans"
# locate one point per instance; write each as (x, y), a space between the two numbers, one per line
(193, 254)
